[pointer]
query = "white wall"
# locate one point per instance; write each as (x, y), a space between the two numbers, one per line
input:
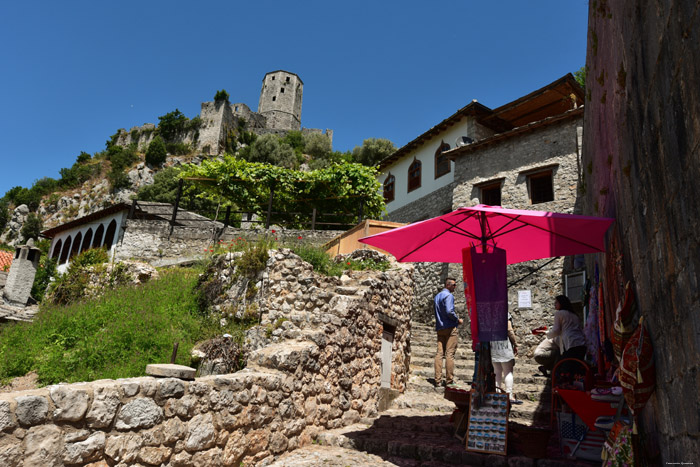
(426, 154)
(119, 217)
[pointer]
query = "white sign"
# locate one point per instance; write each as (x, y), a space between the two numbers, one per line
(524, 299)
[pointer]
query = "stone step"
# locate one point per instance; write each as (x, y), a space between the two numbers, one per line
(466, 373)
(403, 442)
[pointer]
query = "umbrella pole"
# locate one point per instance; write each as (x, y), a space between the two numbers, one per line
(482, 224)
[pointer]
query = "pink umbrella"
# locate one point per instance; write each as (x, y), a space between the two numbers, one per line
(525, 235)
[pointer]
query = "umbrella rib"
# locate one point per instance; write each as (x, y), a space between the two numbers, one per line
(548, 231)
(440, 234)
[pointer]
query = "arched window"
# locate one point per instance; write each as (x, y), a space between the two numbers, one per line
(389, 184)
(57, 249)
(99, 233)
(414, 172)
(442, 163)
(109, 235)
(65, 251)
(76, 245)
(87, 240)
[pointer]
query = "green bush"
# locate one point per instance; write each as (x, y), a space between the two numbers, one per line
(156, 153)
(180, 149)
(83, 157)
(42, 279)
(31, 227)
(4, 215)
(172, 124)
(115, 336)
(221, 96)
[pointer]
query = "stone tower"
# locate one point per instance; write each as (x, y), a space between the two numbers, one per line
(280, 100)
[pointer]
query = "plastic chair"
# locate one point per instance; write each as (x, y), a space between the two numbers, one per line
(587, 383)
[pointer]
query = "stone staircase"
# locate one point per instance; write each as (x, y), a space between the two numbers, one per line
(418, 431)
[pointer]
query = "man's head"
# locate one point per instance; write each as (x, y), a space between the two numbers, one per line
(450, 284)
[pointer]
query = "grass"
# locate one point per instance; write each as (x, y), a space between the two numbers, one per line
(114, 336)
(323, 264)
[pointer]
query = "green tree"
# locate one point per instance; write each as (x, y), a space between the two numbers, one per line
(32, 227)
(83, 157)
(580, 77)
(221, 96)
(373, 150)
(317, 145)
(4, 215)
(172, 124)
(46, 270)
(156, 152)
(295, 139)
(268, 149)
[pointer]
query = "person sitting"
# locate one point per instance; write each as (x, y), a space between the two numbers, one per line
(546, 354)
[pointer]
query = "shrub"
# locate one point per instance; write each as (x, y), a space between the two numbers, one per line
(90, 258)
(317, 145)
(4, 215)
(83, 157)
(172, 124)
(179, 149)
(221, 96)
(32, 227)
(42, 279)
(269, 149)
(156, 153)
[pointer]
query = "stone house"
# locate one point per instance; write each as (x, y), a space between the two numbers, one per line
(147, 231)
(524, 155)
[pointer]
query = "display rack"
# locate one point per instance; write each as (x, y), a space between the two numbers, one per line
(487, 429)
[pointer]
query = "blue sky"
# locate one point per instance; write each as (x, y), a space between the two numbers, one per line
(75, 72)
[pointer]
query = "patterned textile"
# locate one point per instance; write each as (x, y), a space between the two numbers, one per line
(637, 370)
(488, 272)
(623, 326)
(470, 297)
(592, 328)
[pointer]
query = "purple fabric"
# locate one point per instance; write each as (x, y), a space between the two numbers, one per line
(491, 290)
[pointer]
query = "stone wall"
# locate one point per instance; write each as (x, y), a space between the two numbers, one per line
(642, 166)
(157, 243)
(322, 371)
(141, 135)
(436, 203)
(217, 120)
(557, 146)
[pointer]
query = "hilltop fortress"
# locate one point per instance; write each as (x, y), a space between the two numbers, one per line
(279, 111)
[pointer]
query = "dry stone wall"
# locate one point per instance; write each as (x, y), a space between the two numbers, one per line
(321, 371)
(157, 243)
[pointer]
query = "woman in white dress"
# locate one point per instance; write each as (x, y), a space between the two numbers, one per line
(503, 359)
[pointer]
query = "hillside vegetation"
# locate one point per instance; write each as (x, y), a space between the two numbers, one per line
(114, 336)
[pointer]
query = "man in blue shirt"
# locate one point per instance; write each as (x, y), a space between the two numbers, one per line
(446, 322)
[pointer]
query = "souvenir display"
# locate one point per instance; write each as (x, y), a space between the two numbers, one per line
(488, 425)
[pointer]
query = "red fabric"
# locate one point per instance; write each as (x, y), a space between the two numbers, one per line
(585, 407)
(637, 370)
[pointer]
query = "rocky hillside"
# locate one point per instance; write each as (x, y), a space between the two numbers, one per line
(92, 195)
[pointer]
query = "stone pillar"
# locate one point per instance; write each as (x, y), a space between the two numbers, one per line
(22, 272)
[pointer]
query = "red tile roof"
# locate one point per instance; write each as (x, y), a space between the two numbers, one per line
(5, 260)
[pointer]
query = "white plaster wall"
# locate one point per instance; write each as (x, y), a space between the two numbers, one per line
(426, 154)
(119, 217)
